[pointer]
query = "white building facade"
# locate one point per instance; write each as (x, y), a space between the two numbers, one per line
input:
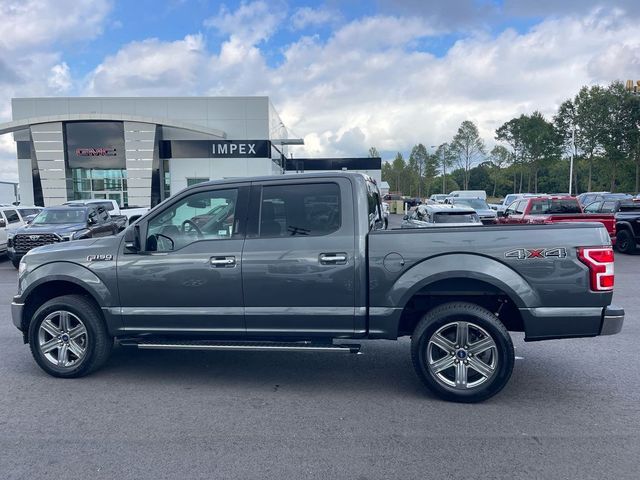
(139, 150)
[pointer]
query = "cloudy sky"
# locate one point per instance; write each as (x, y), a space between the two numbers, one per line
(344, 75)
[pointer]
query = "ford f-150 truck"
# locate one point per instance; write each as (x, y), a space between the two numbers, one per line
(301, 263)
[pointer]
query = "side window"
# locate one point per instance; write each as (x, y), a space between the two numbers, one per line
(309, 209)
(12, 216)
(512, 208)
(208, 215)
(521, 205)
(103, 214)
(373, 199)
(93, 217)
(593, 207)
(609, 206)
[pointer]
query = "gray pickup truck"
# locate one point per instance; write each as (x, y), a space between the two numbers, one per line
(300, 263)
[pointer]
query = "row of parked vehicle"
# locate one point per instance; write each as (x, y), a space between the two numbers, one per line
(24, 228)
(619, 213)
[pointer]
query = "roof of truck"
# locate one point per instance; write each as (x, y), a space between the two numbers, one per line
(289, 176)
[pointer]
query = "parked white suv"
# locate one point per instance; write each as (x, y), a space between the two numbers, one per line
(12, 217)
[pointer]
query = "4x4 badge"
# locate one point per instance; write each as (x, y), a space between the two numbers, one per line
(527, 253)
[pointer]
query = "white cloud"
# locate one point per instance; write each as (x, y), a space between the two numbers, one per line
(31, 34)
(368, 84)
(151, 67)
(251, 23)
(31, 23)
(305, 17)
(60, 78)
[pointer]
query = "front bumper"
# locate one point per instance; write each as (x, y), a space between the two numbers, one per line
(612, 320)
(16, 312)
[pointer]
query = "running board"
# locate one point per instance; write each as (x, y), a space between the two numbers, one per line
(242, 346)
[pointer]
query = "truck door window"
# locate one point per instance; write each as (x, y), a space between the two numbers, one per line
(12, 216)
(609, 206)
(205, 215)
(522, 204)
(593, 207)
(309, 209)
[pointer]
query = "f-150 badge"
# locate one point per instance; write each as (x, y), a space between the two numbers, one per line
(99, 258)
(527, 253)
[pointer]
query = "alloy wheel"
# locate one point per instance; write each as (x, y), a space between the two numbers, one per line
(62, 339)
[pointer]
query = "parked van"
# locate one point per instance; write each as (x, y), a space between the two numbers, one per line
(469, 194)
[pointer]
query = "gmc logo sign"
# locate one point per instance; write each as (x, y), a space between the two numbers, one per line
(96, 152)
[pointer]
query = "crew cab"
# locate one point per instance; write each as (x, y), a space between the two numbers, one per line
(301, 263)
(627, 215)
(59, 224)
(549, 209)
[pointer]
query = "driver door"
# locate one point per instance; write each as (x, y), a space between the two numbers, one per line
(187, 277)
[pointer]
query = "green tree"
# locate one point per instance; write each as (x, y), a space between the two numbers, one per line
(499, 158)
(446, 157)
(468, 148)
(373, 152)
(420, 158)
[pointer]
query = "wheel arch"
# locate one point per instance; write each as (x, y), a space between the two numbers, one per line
(61, 278)
(457, 277)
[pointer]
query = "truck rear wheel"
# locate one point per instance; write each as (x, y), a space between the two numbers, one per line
(462, 352)
(68, 337)
(625, 242)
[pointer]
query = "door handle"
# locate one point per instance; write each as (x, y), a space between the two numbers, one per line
(223, 262)
(333, 258)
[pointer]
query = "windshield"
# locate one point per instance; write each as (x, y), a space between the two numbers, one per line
(475, 203)
(455, 217)
(66, 215)
(554, 205)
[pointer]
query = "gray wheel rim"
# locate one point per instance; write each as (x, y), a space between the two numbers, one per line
(462, 355)
(62, 339)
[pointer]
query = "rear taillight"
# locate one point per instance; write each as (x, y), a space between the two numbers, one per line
(600, 263)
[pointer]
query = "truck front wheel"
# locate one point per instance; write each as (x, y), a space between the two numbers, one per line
(68, 337)
(462, 352)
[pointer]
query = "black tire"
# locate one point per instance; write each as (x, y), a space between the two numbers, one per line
(15, 262)
(625, 242)
(481, 322)
(97, 341)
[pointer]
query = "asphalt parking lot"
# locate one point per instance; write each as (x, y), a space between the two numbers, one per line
(571, 410)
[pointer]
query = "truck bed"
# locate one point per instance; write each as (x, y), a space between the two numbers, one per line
(534, 266)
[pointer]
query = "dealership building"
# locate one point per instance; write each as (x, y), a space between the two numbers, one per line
(140, 150)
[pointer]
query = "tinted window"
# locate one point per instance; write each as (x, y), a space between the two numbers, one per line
(103, 214)
(593, 207)
(455, 217)
(206, 215)
(12, 216)
(475, 203)
(373, 198)
(300, 210)
(554, 206)
(25, 212)
(67, 215)
(609, 206)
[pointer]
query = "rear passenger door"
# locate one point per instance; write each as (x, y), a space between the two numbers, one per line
(298, 262)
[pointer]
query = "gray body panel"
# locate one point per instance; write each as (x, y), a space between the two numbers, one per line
(278, 288)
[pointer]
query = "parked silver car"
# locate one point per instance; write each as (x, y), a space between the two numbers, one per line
(440, 215)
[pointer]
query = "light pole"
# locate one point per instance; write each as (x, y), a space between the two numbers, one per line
(573, 149)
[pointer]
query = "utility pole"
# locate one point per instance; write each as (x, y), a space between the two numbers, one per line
(573, 149)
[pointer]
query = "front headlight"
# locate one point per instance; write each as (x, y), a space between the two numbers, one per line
(84, 233)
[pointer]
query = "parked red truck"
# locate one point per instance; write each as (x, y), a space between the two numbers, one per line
(548, 209)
